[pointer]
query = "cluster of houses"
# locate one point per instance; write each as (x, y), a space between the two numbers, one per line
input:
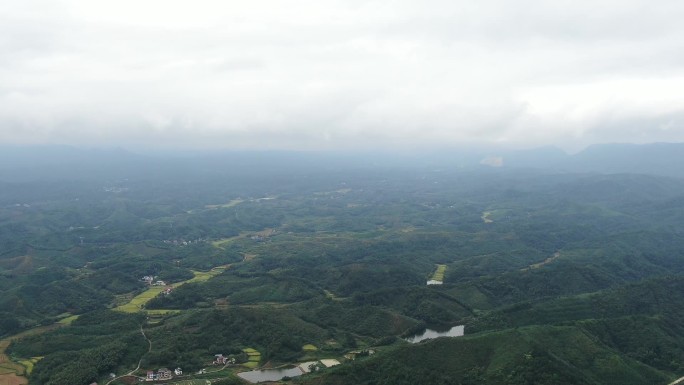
(115, 189)
(220, 359)
(150, 280)
(162, 374)
(180, 242)
(359, 353)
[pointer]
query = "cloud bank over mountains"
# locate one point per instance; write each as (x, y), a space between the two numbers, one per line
(311, 75)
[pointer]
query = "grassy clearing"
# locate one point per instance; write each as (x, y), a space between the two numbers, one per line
(329, 294)
(439, 273)
(230, 204)
(544, 262)
(68, 320)
(491, 216)
(221, 243)
(486, 217)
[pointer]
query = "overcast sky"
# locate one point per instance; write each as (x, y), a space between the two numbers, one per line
(336, 74)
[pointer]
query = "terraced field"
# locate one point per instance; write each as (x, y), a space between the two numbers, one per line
(254, 358)
(12, 373)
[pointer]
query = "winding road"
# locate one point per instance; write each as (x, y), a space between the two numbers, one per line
(149, 349)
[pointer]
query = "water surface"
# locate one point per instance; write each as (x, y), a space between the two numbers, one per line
(255, 376)
(455, 331)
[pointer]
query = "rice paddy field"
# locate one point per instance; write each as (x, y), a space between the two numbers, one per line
(254, 358)
(28, 364)
(138, 302)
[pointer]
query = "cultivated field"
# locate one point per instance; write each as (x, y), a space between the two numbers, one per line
(11, 373)
(439, 273)
(192, 382)
(138, 302)
(254, 358)
(12, 379)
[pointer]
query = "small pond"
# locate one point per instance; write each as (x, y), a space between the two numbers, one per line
(455, 331)
(255, 376)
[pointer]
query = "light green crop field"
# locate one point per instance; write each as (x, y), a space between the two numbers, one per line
(28, 364)
(192, 382)
(138, 302)
(254, 358)
(439, 273)
(68, 320)
(162, 312)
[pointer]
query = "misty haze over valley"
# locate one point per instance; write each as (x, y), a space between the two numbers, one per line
(341, 192)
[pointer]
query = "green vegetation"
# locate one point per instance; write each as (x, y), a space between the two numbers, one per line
(558, 278)
(539, 355)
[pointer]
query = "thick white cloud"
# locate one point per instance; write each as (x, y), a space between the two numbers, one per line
(320, 74)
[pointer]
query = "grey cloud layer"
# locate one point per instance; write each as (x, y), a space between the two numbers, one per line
(305, 74)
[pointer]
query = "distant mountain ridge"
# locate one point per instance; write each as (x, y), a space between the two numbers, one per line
(64, 162)
(664, 159)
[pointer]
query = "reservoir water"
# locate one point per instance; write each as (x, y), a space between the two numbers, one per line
(255, 376)
(456, 331)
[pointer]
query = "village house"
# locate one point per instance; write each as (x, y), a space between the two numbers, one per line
(353, 354)
(219, 359)
(178, 371)
(150, 376)
(164, 374)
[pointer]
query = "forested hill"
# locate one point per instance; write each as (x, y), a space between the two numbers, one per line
(559, 276)
(69, 163)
